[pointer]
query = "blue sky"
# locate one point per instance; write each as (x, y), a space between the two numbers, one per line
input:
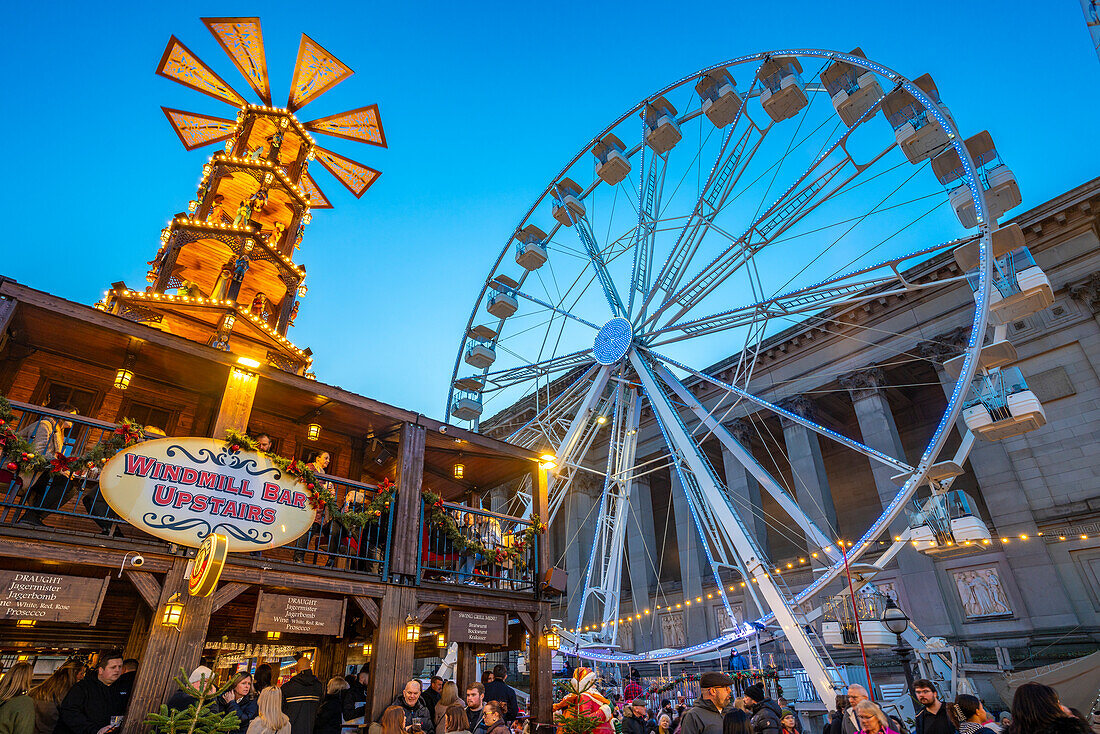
(482, 104)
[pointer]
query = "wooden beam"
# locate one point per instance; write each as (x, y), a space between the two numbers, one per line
(496, 600)
(20, 542)
(227, 593)
(147, 586)
(236, 405)
(369, 607)
(528, 622)
(425, 610)
(277, 579)
(405, 542)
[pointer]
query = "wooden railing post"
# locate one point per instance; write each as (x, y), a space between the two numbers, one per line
(406, 540)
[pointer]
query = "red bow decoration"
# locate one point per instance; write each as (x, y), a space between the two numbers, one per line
(60, 463)
(385, 485)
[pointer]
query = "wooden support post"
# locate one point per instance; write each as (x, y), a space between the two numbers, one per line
(236, 405)
(168, 649)
(135, 643)
(392, 660)
(466, 669)
(405, 544)
(542, 693)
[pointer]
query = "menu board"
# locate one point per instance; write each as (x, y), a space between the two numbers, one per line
(484, 628)
(48, 597)
(299, 615)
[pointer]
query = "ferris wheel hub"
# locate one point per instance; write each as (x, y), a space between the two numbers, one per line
(613, 341)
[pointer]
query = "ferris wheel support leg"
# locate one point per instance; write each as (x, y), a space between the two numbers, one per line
(767, 481)
(572, 441)
(738, 537)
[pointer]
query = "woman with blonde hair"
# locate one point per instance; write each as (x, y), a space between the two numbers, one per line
(329, 715)
(270, 719)
(16, 707)
(872, 719)
(447, 697)
(49, 694)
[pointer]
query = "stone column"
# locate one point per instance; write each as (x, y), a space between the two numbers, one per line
(641, 556)
(915, 570)
(811, 483)
(692, 564)
(583, 514)
(744, 490)
(1042, 589)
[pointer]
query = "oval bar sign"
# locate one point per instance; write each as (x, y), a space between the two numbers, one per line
(183, 489)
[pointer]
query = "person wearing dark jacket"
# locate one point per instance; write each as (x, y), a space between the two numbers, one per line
(411, 702)
(89, 705)
(766, 714)
(431, 695)
(932, 719)
(706, 716)
(355, 697)
(498, 690)
(330, 713)
(635, 720)
(301, 697)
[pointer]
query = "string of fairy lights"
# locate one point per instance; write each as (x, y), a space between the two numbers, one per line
(803, 562)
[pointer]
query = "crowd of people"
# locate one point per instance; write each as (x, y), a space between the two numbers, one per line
(92, 699)
(1036, 709)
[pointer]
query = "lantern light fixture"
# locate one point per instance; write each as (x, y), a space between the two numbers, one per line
(313, 431)
(440, 640)
(367, 649)
(273, 635)
(248, 362)
(459, 470)
(25, 623)
(412, 629)
(551, 638)
(122, 379)
(173, 613)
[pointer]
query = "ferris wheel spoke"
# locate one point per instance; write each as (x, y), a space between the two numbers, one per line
(577, 440)
(820, 430)
(534, 370)
(580, 223)
(551, 307)
(842, 290)
(724, 174)
(688, 452)
(811, 189)
(650, 189)
(788, 504)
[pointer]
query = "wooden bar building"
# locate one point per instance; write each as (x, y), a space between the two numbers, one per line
(204, 348)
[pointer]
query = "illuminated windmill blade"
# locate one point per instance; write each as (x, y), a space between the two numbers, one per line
(317, 198)
(196, 130)
(315, 72)
(355, 176)
(243, 41)
(180, 65)
(363, 125)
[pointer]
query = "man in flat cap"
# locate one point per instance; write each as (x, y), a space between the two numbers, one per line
(705, 717)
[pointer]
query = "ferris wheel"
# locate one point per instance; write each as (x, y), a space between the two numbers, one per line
(761, 194)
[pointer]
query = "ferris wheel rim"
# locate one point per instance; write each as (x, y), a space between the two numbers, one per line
(951, 413)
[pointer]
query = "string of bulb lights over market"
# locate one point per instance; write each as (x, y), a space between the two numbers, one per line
(802, 563)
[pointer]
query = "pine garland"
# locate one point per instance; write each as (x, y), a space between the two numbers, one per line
(439, 517)
(321, 497)
(19, 456)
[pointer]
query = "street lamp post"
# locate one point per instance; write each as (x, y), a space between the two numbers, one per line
(898, 622)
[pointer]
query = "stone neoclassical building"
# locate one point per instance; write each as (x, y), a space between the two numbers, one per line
(1021, 603)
